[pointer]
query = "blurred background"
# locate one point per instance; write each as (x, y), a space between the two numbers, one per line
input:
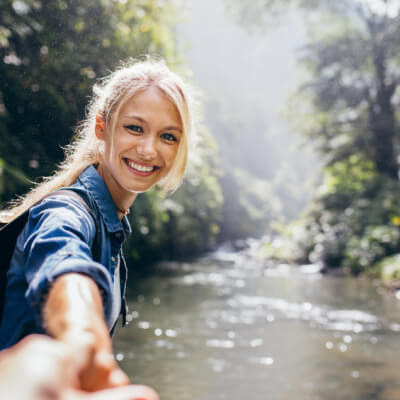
(292, 190)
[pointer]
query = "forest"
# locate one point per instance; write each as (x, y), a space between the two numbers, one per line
(52, 52)
(348, 110)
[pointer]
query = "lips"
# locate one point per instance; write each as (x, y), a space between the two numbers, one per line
(140, 168)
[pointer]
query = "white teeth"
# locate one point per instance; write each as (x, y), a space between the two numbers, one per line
(140, 168)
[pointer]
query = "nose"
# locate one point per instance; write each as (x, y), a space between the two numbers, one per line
(147, 148)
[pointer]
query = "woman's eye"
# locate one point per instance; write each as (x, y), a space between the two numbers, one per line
(134, 128)
(169, 137)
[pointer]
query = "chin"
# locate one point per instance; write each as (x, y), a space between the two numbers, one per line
(137, 190)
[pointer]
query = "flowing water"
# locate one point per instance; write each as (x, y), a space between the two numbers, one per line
(224, 327)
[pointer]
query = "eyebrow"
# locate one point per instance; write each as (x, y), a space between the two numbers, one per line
(168, 128)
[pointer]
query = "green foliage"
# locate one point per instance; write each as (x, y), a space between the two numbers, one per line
(355, 74)
(277, 249)
(377, 242)
(347, 110)
(354, 65)
(353, 229)
(348, 175)
(388, 269)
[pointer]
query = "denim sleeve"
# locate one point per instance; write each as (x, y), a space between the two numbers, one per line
(59, 234)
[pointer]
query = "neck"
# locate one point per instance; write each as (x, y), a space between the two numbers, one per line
(123, 206)
(122, 213)
(122, 199)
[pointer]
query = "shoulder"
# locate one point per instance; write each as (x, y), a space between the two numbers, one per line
(62, 212)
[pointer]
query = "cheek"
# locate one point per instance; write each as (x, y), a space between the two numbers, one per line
(117, 146)
(171, 155)
(108, 144)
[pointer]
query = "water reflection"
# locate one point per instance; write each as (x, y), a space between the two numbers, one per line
(341, 320)
(222, 329)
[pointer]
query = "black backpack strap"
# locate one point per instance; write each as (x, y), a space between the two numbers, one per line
(8, 238)
(9, 233)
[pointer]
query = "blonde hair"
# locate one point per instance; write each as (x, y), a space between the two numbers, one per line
(109, 96)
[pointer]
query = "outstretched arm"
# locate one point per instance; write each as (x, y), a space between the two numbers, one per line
(73, 314)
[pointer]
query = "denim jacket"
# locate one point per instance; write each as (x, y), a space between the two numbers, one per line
(58, 238)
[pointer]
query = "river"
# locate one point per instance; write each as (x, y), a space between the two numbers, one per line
(227, 327)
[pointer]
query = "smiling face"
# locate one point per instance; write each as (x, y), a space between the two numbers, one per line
(144, 147)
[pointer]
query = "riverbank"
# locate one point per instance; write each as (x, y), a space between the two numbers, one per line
(274, 251)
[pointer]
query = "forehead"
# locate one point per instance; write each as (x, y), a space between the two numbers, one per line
(149, 104)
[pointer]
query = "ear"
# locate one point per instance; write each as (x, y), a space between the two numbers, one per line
(99, 128)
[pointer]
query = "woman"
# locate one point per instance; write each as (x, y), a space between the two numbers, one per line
(67, 276)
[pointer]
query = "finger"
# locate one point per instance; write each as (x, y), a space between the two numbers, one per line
(82, 349)
(95, 375)
(118, 378)
(80, 355)
(102, 373)
(131, 392)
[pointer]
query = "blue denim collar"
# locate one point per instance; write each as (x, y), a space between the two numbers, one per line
(98, 190)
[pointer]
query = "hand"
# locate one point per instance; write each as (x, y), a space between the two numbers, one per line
(40, 368)
(73, 314)
(99, 370)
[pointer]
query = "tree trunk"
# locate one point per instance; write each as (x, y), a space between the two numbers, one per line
(382, 117)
